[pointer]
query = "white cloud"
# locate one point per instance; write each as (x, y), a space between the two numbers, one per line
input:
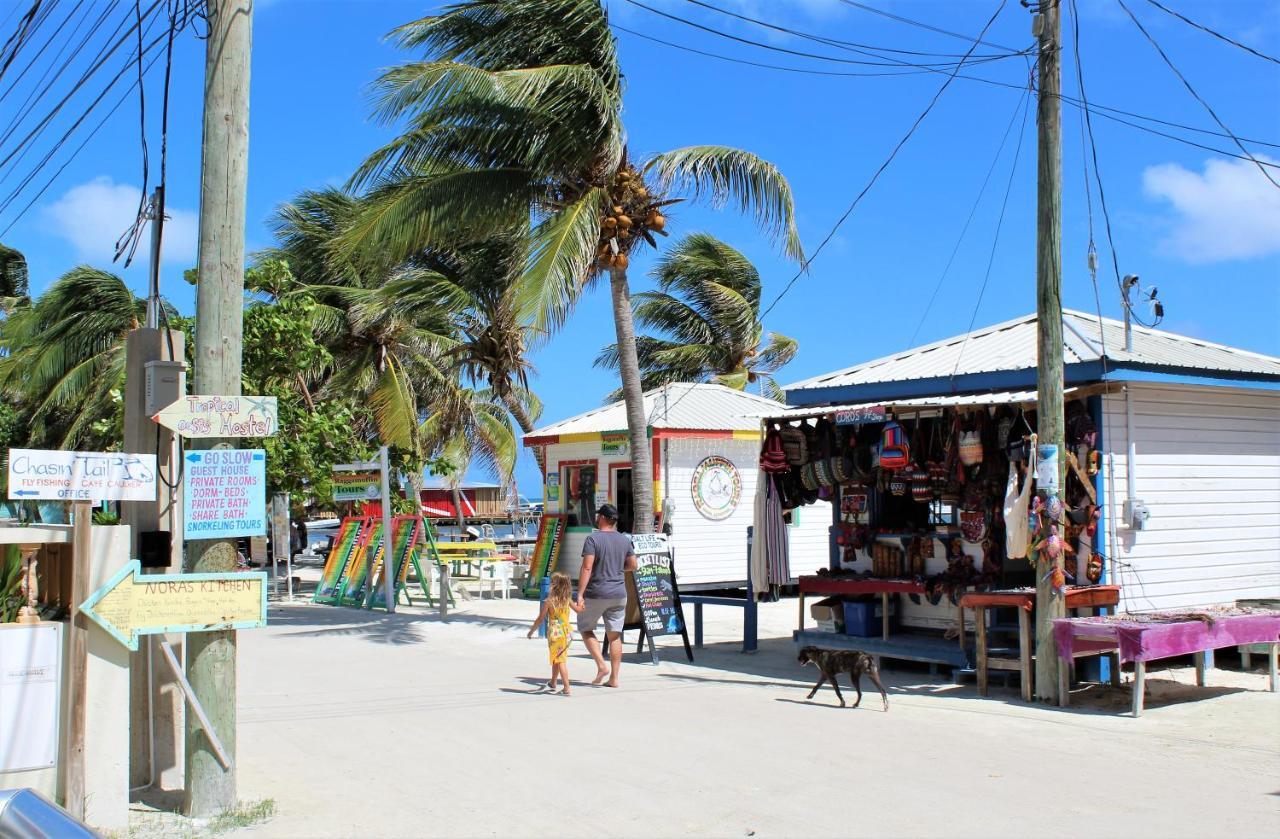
(1230, 211)
(92, 216)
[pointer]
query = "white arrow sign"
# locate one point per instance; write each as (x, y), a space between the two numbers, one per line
(37, 474)
(221, 416)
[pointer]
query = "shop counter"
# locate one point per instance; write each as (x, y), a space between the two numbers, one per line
(1143, 638)
(824, 585)
(1024, 600)
(904, 646)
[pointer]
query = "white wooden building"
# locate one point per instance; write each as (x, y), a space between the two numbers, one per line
(1188, 429)
(706, 449)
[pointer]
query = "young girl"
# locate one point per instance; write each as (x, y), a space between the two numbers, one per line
(555, 611)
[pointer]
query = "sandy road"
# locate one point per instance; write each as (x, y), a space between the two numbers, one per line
(361, 724)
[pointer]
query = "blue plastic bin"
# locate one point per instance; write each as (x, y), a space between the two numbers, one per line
(863, 618)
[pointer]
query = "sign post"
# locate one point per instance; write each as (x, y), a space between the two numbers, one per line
(388, 559)
(281, 544)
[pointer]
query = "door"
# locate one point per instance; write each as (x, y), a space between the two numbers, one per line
(622, 499)
(578, 486)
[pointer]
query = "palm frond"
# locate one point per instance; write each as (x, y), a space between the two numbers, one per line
(562, 249)
(721, 174)
(776, 353)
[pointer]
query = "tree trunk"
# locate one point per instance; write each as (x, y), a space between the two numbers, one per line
(462, 517)
(633, 395)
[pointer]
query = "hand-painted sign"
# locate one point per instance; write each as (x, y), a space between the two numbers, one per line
(225, 495)
(81, 476)
(717, 488)
(864, 415)
(357, 486)
(615, 444)
(656, 585)
(133, 604)
(221, 416)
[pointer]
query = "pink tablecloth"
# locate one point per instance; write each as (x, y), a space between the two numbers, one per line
(1147, 641)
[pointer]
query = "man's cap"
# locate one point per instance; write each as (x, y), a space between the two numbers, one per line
(608, 511)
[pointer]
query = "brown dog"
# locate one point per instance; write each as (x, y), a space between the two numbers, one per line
(832, 663)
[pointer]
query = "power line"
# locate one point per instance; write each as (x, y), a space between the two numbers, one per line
(876, 176)
(1197, 96)
(1105, 111)
(921, 24)
(128, 241)
(1214, 33)
(762, 65)
(785, 50)
(26, 141)
(852, 46)
(972, 212)
(995, 239)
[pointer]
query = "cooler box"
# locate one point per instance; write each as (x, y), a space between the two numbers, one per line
(865, 618)
(828, 614)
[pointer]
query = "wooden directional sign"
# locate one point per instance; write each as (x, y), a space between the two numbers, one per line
(132, 604)
(221, 416)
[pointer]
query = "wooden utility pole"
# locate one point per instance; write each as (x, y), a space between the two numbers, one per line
(211, 656)
(1049, 601)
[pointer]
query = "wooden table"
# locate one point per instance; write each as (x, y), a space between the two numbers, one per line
(1024, 600)
(820, 584)
(1143, 638)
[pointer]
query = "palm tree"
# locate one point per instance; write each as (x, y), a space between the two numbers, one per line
(64, 356)
(706, 312)
(516, 121)
(13, 277)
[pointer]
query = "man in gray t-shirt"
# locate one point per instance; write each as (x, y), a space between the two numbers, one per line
(602, 591)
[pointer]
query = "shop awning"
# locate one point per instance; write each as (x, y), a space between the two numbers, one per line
(1007, 397)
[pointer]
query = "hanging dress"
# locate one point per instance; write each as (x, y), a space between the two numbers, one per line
(1016, 524)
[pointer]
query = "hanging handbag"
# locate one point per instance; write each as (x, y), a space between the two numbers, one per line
(772, 458)
(921, 486)
(794, 445)
(970, 448)
(894, 451)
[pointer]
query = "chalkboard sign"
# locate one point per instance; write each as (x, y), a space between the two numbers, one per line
(656, 591)
(654, 595)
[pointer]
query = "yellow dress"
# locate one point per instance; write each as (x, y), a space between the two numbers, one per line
(558, 634)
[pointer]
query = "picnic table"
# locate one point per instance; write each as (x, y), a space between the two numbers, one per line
(1024, 600)
(1141, 638)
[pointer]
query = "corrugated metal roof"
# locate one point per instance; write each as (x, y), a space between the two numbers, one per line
(698, 407)
(1005, 397)
(1012, 346)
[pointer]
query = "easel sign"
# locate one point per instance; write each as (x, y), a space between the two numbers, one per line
(655, 593)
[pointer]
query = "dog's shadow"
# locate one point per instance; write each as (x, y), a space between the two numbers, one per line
(815, 704)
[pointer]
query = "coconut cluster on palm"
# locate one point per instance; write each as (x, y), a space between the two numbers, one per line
(634, 214)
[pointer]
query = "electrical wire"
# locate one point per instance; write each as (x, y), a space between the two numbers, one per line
(787, 51)
(1013, 117)
(762, 65)
(35, 59)
(883, 166)
(921, 24)
(1104, 111)
(1214, 33)
(995, 239)
(1091, 252)
(1196, 95)
(127, 244)
(26, 141)
(852, 46)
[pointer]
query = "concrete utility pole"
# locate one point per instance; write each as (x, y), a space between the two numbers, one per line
(1049, 602)
(211, 656)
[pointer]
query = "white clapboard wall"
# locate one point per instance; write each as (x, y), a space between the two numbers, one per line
(1208, 467)
(716, 551)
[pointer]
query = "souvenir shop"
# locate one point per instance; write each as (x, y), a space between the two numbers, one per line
(705, 442)
(930, 463)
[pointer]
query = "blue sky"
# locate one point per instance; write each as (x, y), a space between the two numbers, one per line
(1203, 228)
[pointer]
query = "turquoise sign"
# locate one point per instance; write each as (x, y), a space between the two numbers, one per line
(225, 494)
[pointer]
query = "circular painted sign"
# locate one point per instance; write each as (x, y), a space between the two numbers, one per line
(717, 488)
